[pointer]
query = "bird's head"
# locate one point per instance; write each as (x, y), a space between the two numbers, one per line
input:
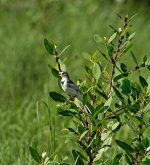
(64, 74)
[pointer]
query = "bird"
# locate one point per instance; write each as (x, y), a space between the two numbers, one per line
(70, 88)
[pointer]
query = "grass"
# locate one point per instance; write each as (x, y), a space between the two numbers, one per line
(24, 75)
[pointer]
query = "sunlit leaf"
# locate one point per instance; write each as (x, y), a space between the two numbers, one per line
(131, 36)
(57, 97)
(96, 71)
(112, 37)
(83, 134)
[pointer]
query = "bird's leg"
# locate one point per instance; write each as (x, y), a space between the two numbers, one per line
(71, 99)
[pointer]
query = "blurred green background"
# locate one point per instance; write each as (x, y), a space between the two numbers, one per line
(24, 74)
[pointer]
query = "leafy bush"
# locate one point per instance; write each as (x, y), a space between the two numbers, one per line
(118, 97)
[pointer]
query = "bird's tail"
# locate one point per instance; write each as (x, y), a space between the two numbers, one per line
(86, 109)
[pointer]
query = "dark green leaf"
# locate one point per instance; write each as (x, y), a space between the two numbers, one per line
(54, 71)
(66, 113)
(49, 46)
(123, 67)
(117, 158)
(135, 107)
(35, 155)
(134, 58)
(128, 160)
(102, 94)
(91, 108)
(126, 87)
(71, 130)
(148, 67)
(125, 146)
(144, 59)
(88, 70)
(146, 162)
(118, 77)
(115, 30)
(77, 158)
(143, 82)
(118, 94)
(57, 97)
(145, 142)
(110, 50)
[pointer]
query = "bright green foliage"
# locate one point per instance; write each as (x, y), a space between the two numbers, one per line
(114, 99)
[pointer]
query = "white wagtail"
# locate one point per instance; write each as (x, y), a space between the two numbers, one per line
(71, 89)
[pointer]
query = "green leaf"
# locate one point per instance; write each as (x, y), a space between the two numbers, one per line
(130, 124)
(115, 30)
(104, 55)
(54, 71)
(35, 155)
(124, 146)
(135, 107)
(71, 130)
(66, 113)
(57, 97)
(102, 94)
(118, 94)
(49, 46)
(118, 77)
(117, 158)
(96, 71)
(112, 37)
(144, 59)
(77, 158)
(143, 82)
(108, 102)
(128, 159)
(131, 36)
(83, 134)
(123, 67)
(115, 127)
(146, 162)
(134, 58)
(128, 47)
(88, 70)
(97, 38)
(126, 86)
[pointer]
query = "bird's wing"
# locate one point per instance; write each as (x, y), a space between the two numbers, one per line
(72, 85)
